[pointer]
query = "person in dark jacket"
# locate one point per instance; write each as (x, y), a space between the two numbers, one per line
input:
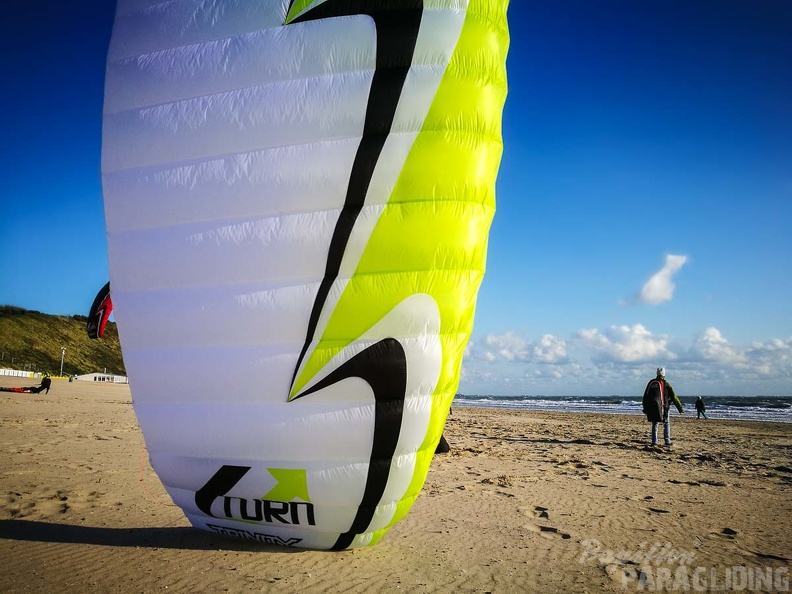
(46, 382)
(700, 408)
(657, 399)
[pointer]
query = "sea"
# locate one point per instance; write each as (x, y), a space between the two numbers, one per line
(776, 409)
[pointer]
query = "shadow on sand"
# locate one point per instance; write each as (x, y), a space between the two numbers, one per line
(185, 538)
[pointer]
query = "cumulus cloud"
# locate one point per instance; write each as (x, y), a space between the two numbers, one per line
(505, 347)
(771, 359)
(711, 346)
(510, 347)
(618, 359)
(625, 344)
(549, 349)
(757, 360)
(660, 287)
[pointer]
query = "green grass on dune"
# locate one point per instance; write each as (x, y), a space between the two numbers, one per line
(32, 340)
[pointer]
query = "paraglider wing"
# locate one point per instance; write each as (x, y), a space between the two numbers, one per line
(298, 196)
(100, 312)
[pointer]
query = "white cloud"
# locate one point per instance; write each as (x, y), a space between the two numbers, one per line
(711, 346)
(511, 347)
(549, 349)
(625, 344)
(505, 347)
(619, 359)
(758, 360)
(660, 287)
(771, 359)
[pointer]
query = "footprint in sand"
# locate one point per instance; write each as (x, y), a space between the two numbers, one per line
(41, 504)
(12, 496)
(536, 512)
(502, 480)
(547, 531)
(57, 502)
(22, 510)
(541, 512)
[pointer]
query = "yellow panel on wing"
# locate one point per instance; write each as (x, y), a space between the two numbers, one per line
(432, 236)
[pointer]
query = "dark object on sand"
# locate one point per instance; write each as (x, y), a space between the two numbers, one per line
(27, 390)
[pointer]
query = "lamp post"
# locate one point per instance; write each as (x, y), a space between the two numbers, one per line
(63, 354)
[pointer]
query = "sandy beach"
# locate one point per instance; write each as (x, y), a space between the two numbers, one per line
(524, 502)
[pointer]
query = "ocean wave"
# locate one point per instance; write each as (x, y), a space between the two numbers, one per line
(750, 408)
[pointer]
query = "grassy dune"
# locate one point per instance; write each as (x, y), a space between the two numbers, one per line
(32, 340)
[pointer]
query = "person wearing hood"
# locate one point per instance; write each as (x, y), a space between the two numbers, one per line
(701, 408)
(657, 399)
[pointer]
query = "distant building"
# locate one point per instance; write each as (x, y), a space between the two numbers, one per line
(17, 373)
(103, 377)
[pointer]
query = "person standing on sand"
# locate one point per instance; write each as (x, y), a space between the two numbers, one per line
(657, 400)
(700, 408)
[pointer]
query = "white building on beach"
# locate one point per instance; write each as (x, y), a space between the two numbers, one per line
(102, 377)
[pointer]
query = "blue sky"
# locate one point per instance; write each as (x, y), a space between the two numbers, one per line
(644, 198)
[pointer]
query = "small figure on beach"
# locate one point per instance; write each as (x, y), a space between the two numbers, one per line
(46, 382)
(700, 408)
(657, 399)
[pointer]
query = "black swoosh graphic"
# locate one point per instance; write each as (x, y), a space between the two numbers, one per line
(397, 27)
(384, 366)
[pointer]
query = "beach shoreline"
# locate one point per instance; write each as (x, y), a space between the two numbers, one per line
(748, 408)
(526, 501)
